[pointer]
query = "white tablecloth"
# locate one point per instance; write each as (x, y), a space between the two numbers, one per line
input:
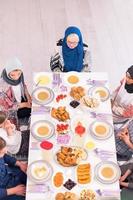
(86, 80)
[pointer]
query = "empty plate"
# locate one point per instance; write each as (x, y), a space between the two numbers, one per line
(39, 171)
(101, 130)
(107, 172)
(42, 129)
(42, 95)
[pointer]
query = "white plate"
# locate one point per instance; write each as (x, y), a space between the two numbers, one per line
(105, 130)
(44, 126)
(72, 78)
(42, 95)
(86, 102)
(39, 171)
(107, 172)
(84, 155)
(42, 79)
(102, 91)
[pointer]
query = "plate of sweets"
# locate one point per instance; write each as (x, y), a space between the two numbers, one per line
(40, 171)
(88, 194)
(66, 196)
(70, 156)
(42, 95)
(89, 103)
(60, 113)
(83, 173)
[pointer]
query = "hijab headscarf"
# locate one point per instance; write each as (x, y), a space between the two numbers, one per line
(73, 58)
(129, 87)
(10, 66)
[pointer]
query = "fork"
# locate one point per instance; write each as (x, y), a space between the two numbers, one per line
(39, 188)
(98, 150)
(56, 79)
(108, 192)
(103, 154)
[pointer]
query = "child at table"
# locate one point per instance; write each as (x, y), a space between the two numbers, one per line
(126, 179)
(12, 175)
(17, 142)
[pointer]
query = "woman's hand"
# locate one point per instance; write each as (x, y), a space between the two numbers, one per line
(25, 105)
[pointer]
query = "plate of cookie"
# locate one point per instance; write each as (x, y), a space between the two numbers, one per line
(66, 196)
(88, 194)
(83, 173)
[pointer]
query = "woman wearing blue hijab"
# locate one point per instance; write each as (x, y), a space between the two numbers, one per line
(72, 50)
(72, 55)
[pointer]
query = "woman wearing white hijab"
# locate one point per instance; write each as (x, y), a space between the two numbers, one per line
(13, 91)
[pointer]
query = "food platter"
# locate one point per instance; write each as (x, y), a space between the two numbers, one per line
(70, 156)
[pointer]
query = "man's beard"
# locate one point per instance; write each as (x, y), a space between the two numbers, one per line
(129, 88)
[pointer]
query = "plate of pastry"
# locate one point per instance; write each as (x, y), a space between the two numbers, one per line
(68, 156)
(83, 173)
(89, 103)
(39, 171)
(88, 194)
(107, 172)
(101, 130)
(42, 129)
(42, 95)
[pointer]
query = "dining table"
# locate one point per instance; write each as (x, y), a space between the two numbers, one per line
(72, 152)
